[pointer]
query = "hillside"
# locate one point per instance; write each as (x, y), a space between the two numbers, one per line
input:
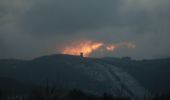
(152, 74)
(69, 72)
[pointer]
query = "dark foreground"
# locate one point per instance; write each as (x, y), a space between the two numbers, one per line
(53, 94)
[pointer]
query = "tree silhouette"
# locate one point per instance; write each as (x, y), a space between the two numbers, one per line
(77, 95)
(161, 97)
(0, 94)
(107, 96)
(46, 93)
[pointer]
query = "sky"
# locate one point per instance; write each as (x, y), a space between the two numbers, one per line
(32, 28)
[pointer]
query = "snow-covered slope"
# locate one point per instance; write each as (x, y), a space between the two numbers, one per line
(126, 81)
(90, 75)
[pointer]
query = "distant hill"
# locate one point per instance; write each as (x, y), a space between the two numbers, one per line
(64, 71)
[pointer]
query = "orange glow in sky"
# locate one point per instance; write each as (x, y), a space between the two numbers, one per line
(86, 47)
(110, 48)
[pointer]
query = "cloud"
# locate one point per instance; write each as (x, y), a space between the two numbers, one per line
(65, 16)
(32, 26)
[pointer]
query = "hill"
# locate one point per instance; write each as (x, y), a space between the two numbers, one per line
(152, 74)
(69, 72)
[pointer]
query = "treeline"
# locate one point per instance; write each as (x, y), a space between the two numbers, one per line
(54, 94)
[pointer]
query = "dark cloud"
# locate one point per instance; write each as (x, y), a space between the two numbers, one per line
(31, 28)
(3, 47)
(65, 16)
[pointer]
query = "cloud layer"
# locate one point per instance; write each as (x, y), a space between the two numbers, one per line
(30, 28)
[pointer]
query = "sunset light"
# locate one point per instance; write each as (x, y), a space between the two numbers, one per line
(86, 47)
(110, 48)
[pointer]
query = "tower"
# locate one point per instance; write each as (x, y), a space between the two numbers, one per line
(81, 54)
